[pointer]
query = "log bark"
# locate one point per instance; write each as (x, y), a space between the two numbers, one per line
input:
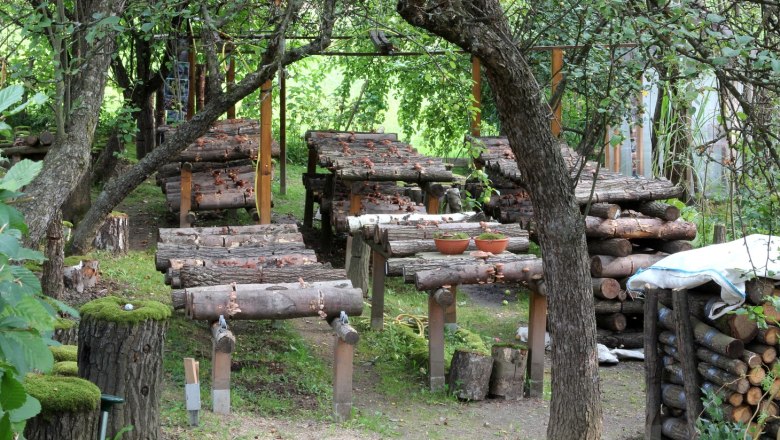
(228, 199)
(470, 375)
(628, 307)
(528, 270)
(627, 340)
(756, 289)
(193, 235)
(408, 248)
(173, 170)
(605, 288)
(705, 335)
(673, 396)
(615, 322)
(195, 276)
(388, 233)
(273, 301)
(64, 426)
(632, 228)
(614, 247)
(720, 377)
(675, 428)
(609, 211)
(769, 335)
(235, 240)
(409, 266)
(223, 340)
(126, 360)
(52, 281)
(768, 354)
(734, 366)
(167, 252)
(82, 276)
(669, 247)
(345, 332)
(507, 379)
(619, 267)
(737, 414)
(730, 397)
(114, 235)
(655, 208)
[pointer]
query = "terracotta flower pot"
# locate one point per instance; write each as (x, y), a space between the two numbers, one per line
(451, 247)
(492, 246)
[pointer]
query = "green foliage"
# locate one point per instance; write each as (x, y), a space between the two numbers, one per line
(63, 353)
(112, 308)
(64, 324)
(451, 235)
(715, 427)
(66, 368)
(59, 394)
(491, 236)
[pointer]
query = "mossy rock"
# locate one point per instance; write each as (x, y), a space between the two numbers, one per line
(64, 324)
(74, 260)
(64, 353)
(62, 394)
(66, 368)
(516, 346)
(111, 308)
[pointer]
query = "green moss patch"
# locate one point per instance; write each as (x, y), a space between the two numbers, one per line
(64, 324)
(73, 260)
(67, 368)
(60, 394)
(65, 353)
(511, 345)
(111, 308)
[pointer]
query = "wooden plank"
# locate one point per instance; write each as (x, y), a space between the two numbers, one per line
(684, 332)
(476, 95)
(185, 203)
(263, 173)
(343, 355)
(653, 368)
(557, 76)
(282, 130)
(537, 323)
(378, 291)
(435, 345)
(355, 204)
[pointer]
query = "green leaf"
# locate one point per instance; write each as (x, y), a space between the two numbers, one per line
(9, 245)
(10, 96)
(715, 18)
(6, 433)
(25, 351)
(11, 217)
(14, 322)
(20, 174)
(775, 65)
(30, 409)
(729, 52)
(64, 308)
(12, 394)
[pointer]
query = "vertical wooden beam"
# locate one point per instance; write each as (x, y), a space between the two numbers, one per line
(557, 76)
(263, 172)
(201, 87)
(185, 203)
(435, 344)
(192, 391)
(476, 94)
(639, 131)
(342, 379)
(653, 368)
(431, 203)
(191, 80)
(282, 132)
(378, 291)
(684, 331)
(231, 81)
(356, 262)
(537, 323)
(451, 311)
(308, 205)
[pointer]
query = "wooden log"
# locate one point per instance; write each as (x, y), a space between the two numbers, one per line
(639, 228)
(82, 276)
(756, 375)
(223, 339)
(615, 247)
(388, 233)
(675, 428)
(629, 340)
(730, 397)
(768, 353)
(673, 396)
(393, 173)
(45, 138)
(750, 358)
(409, 266)
(734, 366)
(167, 252)
(627, 307)
(470, 375)
(355, 223)
(194, 235)
(527, 270)
(195, 276)
(605, 288)
(444, 297)
(737, 414)
(618, 267)
(669, 247)
(769, 335)
(719, 234)
(343, 360)
(720, 377)
(408, 248)
(344, 331)
(273, 301)
(507, 379)
(358, 262)
(656, 208)
(738, 326)
(603, 210)
(114, 234)
(684, 331)
(672, 373)
(615, 322)
(231, 199)
(173, 170)
(705, 335)
(758, 288)
(653, 367)
(769, 408)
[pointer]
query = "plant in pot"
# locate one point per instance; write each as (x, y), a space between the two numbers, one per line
(493, 242)
(451, 243)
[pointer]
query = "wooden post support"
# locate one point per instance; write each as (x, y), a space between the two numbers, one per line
(192, 390)
(476, 95)
(282, 131)
(308, 205)
(344, 351)
(719, 234)
(185, 204)
(231, 80)
(222, 347)
(355, 203)
(378, 292)
(263, 173)
(435, 344)
(191, 79)
(684, 331)
(431, 203)
(557, 76)
(537, 323)
(356, 263)
(451, 311)
(653, 368)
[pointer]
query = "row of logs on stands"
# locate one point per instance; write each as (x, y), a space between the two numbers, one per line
(29, 145)
(621, 241)
(730, 355)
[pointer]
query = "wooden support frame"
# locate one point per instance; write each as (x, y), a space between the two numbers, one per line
(378, 291)
(653, 367)
(223, 343)
(537, 323)
(556, 68)
(343, 355)
(684, 331)
(191, 79)
(436, 378)
(263, 172)
(451, 311)
(185, 203)
(231, 81)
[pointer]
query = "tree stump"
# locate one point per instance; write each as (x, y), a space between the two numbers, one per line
(121, 351)
(66, 331)
(470, 374)
(82, 275)
(69, 408)
(507, 379)
(113, 236)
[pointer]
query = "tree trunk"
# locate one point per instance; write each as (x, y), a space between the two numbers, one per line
(116, 190)
(480, 27)
(64, 426)
(52, 281)
(126, 360)
(114, 235)
(107, 160)
(145, 137)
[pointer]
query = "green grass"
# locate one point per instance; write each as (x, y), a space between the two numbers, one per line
(292, 202)
(136, 275)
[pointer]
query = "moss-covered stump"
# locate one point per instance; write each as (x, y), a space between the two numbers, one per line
(66, 331)
(470, 374)
(70, 408)
(66, 368)
(64, 353)
(121, 351)
(507, 379)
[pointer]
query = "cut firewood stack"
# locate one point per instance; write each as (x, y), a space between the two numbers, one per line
(627, 227)
(729, 355)
(216, 170)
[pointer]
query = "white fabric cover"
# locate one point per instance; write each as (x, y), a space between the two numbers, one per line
(728, 264)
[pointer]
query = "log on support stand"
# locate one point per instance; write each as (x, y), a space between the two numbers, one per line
(435, 344)
(223, 344)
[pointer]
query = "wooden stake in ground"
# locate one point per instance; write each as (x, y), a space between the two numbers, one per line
(223, 343)
(343, 353)
(192, 390)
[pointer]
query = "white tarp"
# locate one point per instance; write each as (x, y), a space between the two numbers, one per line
(728, 264)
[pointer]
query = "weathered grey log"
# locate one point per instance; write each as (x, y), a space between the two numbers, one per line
(358, 259)
(114, 234)
(605, 288)
(626, 307)
(604, 266)
(167, 252)
(174, 169)
(719, 234)
(615, 247)
(194, 276)
(750, 358)
(229, 199)
(675, 428)
(615, 321)
(507, 379)
(270, 261)
(667, 246)
(393, 173)
(639, 228)
(273, 301)
(355, 223)
(167, 234)
(720, 377)
(407, 248)
(444, 297)
(630, 339)
(734, 366)
(603, 210)
(409, 266)
(730, 397)
(705, 335)
(673, 395)
(655, 208)
(528, 270)
(470, 375)
(223, 339)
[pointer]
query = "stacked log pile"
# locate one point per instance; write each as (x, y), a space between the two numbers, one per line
(730, 356)
(627, 227)
(31, 146)
(222, 172)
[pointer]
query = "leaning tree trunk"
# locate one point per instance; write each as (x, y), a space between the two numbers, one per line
(52, 281)
(480, 27)
(121, 352)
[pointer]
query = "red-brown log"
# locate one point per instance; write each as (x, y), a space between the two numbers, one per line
(618, 267)
(528, 270)
(614, 247)
(605, 288)
(639, 228)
